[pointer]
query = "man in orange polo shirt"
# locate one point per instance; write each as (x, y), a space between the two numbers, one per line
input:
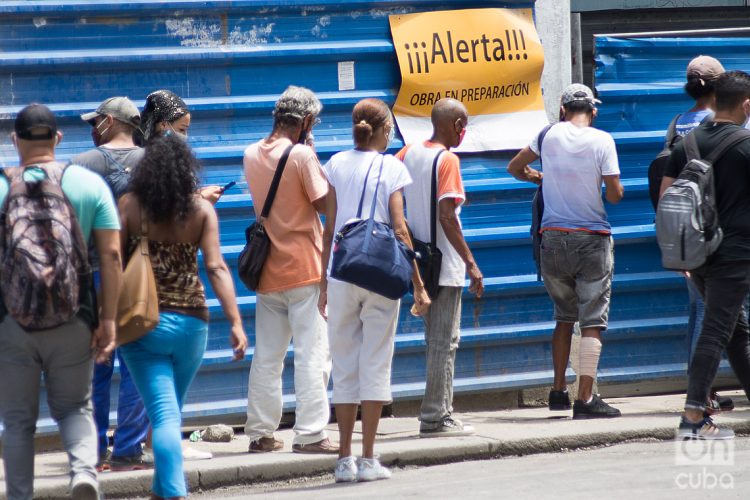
(287, 296)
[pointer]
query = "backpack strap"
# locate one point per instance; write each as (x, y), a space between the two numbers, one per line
(109, 158)
(691, 147)
(671, 132)
(726, 144)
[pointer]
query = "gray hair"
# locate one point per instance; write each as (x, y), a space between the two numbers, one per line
(294, 105)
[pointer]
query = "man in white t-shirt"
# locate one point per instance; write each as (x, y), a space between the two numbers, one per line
(577, 254)
(443, 320)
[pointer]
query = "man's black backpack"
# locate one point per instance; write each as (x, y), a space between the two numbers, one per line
(537, 211)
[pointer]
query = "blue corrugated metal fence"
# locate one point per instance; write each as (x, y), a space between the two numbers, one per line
(230, 60)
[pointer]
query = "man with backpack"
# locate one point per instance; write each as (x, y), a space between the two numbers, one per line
(113, 124)
(577, 253)
(49, 318)
(701, 75)
(722, 274)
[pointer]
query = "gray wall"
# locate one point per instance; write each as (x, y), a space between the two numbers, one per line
(553, 25)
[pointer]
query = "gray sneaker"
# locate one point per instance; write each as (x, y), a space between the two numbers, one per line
(705, 429)
(84, 487)
(448, 427)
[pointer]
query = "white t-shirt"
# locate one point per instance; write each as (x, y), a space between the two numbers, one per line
(574, 159)
(418, 159)
(346, 172)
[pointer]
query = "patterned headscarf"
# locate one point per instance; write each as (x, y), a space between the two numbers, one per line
(161, 106)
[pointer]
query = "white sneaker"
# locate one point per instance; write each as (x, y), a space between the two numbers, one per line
(346, 470)
(370, 469)
(189, 453)
(84, 487)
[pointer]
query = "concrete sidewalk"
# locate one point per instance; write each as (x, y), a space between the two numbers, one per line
(499, 433)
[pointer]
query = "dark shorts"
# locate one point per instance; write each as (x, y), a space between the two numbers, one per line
(577, 268)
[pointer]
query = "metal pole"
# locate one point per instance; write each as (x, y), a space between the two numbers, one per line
(576, 47)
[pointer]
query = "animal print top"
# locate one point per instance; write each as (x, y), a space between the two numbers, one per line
(176, 272)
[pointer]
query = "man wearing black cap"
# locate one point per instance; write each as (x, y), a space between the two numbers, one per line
(115, 155)
(62, 354)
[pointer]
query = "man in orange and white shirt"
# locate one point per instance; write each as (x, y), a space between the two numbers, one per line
(443, 321)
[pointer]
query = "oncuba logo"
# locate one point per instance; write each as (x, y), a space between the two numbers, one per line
(445, 48)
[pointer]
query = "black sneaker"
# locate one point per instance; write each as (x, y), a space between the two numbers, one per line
(138, 462)
(447, 428)
(559, 400)
(725, 402)
(705, 429)
(595, 409)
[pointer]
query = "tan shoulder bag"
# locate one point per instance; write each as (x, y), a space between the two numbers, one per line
(138, 306)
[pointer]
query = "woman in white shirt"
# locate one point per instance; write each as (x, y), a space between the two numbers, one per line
(362, 324)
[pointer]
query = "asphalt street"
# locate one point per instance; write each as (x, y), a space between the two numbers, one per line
(632, 471)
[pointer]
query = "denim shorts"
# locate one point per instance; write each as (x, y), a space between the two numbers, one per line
(577, 268)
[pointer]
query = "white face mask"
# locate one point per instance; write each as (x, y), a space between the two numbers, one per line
(391, 134)
(102, 132)
(177, 134)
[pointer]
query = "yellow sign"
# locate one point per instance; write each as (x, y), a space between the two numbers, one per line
(489, 59)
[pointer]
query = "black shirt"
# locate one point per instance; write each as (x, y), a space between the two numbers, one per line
(732, 180)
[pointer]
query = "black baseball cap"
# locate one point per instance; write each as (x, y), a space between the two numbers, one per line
(32, 120)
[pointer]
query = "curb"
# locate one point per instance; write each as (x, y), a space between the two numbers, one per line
(424, 453)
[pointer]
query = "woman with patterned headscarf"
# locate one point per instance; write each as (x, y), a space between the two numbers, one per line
(165, 114)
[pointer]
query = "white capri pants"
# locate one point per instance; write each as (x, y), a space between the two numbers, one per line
(361, 333)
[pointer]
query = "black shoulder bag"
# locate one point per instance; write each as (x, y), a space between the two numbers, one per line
(253, 256)
(429, 256)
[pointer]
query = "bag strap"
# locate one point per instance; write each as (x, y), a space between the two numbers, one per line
(364, 187)
(726, 144)
(371, 220)
(275, 182)
(108, 156)
(540, 139)
(433, 203)
(144, 232)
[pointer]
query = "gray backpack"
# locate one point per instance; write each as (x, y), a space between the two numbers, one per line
(687, 219)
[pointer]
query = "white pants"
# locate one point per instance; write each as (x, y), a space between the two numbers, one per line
(361, 332)
(281, 317)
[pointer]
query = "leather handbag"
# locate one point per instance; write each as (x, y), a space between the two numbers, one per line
(429, 256)
(254, 255)
(367, 253)
(138, 305)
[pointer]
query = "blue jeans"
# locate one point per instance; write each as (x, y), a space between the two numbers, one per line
(132, 421)
(163, 363)
(696, 311)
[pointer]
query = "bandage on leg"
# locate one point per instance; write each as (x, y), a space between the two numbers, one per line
(589, 351)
